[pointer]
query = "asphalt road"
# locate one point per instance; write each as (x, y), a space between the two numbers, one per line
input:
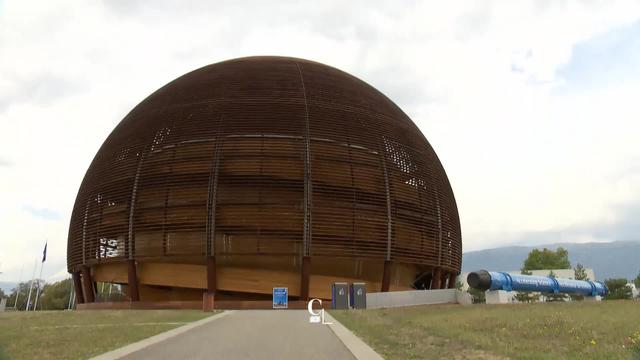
(252, 334)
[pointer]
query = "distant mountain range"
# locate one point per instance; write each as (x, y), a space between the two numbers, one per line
(618, 259)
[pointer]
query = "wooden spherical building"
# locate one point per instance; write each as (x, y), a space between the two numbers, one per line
(261, 172)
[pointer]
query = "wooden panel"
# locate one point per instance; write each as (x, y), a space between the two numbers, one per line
(180, 275)
(111, 272)
(158, 294)
(257, 280)
(253, 280)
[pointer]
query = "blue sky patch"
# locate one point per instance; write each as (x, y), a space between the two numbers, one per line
(43, 213)
(605, 59)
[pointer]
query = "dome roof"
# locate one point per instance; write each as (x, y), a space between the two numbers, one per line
(282, 155)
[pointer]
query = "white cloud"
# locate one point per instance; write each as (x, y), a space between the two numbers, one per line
(524, 151)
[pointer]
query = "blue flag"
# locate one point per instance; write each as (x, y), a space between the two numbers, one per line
(44, 253)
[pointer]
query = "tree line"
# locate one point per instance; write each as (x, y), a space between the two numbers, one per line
(56, 296)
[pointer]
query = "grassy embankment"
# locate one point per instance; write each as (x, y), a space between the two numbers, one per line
(82, 334)
(577, 330)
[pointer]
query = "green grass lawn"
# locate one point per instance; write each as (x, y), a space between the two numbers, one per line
(575, 330)
(82, 334)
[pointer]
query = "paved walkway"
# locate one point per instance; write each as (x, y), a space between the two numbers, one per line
(252, 334)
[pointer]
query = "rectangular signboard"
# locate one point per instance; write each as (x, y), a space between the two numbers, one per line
(340, 295)
(358, 296)
(280, 298)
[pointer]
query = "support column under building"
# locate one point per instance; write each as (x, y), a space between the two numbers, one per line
(77, 287)
(211, 275)
(132, 275)
(304, 277)
(452, 280)
(386, 276)
(436, 278)
(87, 285)
(443, 280)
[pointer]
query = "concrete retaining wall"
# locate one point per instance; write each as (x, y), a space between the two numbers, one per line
(417, 297)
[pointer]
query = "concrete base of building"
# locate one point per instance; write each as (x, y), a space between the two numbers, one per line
(417, 297)
(497, 297)
(374, 301)
(207, 304)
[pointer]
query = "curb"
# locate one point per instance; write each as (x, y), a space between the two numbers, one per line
(356, 346)
(131, 348)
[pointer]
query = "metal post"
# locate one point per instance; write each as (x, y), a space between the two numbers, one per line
(35, 266)
(70, 295)
(35, 304)
(15, 304)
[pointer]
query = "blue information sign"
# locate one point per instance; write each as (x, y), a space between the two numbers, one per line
(280, 298)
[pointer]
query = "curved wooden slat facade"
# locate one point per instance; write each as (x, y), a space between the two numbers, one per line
(262, 172)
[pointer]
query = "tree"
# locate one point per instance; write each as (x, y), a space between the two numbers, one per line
(546, 259)
(477, 295)
(579, 273)
(55, 296)
(23, 290)
(636, 281)
(618, 289)
(458, 284)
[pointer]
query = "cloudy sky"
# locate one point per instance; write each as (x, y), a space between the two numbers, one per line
(532, 106)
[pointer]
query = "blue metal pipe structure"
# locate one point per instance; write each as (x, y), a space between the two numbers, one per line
(492, 280)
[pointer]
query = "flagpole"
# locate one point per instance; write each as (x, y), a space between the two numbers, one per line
(35, 266)
(18, 288)
(35, 305)
(44, 258)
